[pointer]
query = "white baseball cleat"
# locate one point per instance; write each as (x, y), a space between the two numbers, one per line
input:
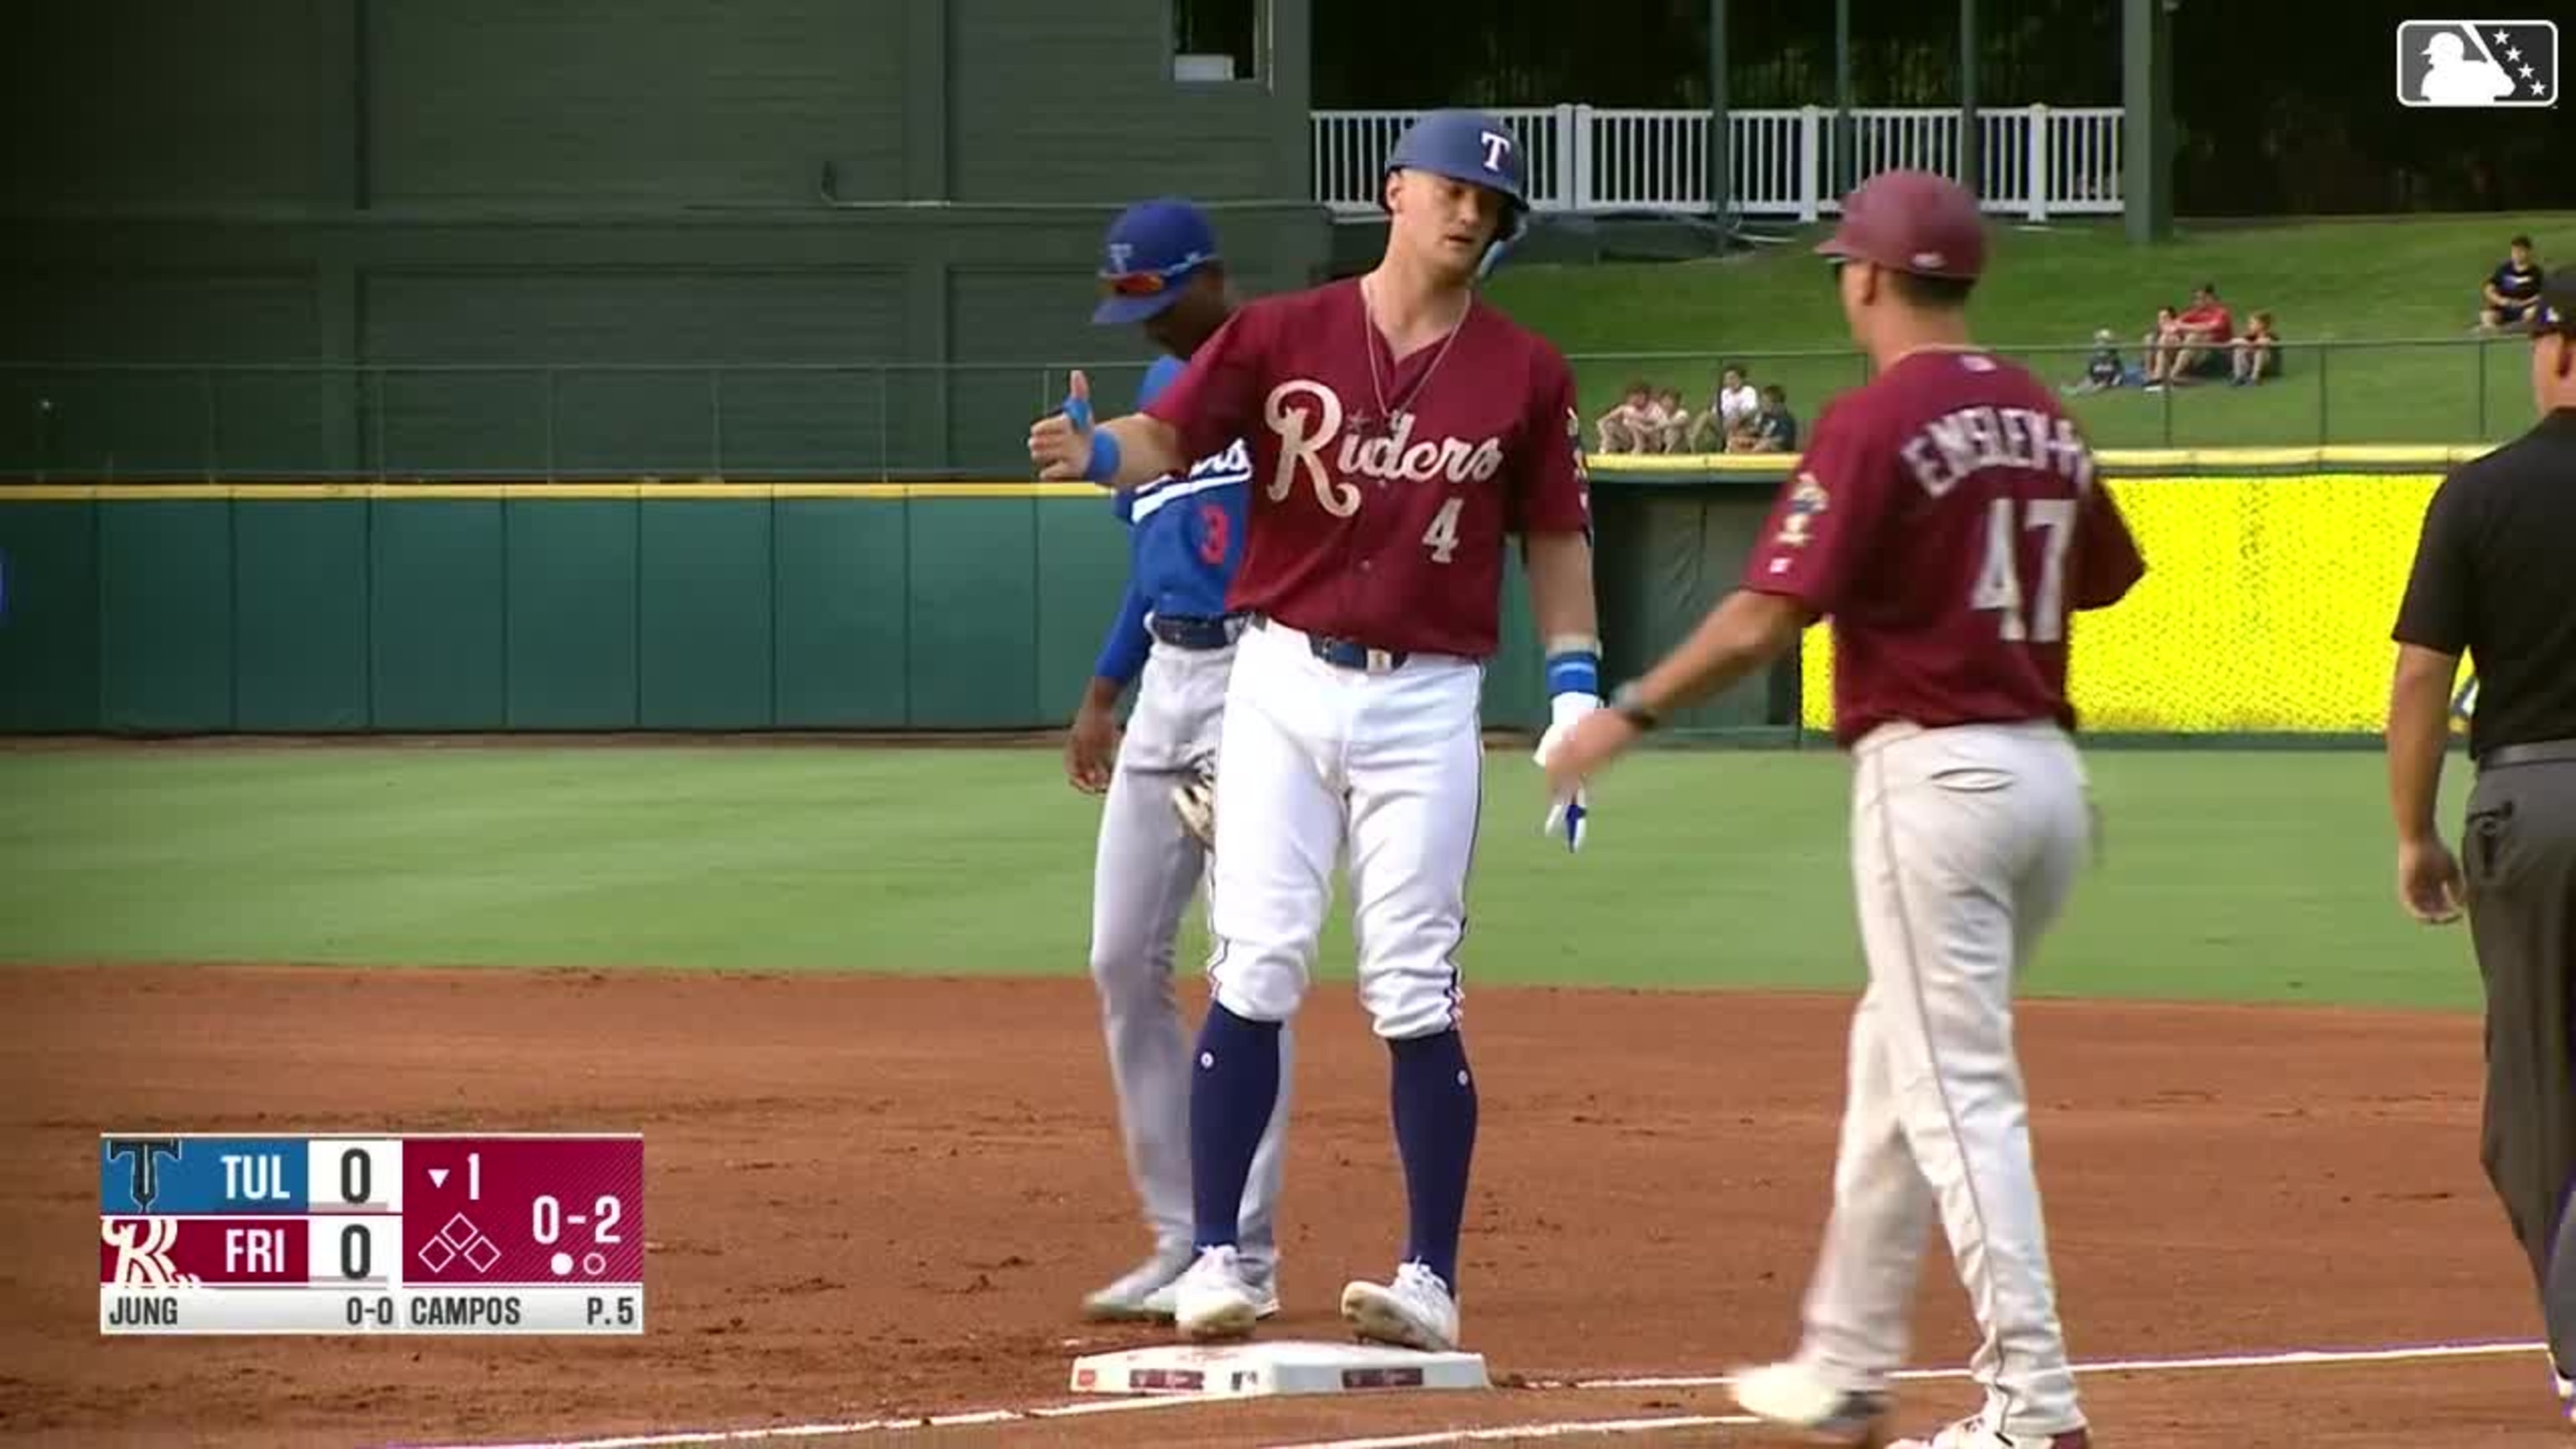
(1213, 1299)
(1792, 1396)
(1415, 1311)
(1163, 1303)
(1134, 1295)
(2566, 1394)
(1977, 1433)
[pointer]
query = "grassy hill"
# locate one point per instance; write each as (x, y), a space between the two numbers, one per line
(2399, 294)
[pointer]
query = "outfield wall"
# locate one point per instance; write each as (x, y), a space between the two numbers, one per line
(2273, 581)
(2266, 609)
(188, 609)
(174, 609)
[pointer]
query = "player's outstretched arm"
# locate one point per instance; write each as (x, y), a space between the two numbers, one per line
(1746, 631)
(1120, 453)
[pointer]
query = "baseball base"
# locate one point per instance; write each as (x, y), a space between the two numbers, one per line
(1248, 1370)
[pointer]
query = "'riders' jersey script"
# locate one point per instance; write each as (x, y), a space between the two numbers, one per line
(1381, 503)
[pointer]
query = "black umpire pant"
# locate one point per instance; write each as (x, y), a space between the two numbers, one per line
(2519, 858)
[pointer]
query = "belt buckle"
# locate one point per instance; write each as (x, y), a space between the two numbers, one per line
(1379, 661)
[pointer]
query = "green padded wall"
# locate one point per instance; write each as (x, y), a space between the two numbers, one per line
(49, 639)
(405, 609)
(165, 616)
(300, 616)
(436, 612)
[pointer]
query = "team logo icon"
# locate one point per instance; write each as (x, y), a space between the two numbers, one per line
(2476, 64)
(1807, 499)
(143, 1252)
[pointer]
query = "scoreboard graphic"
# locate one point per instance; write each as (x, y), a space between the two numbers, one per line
(504, 1234)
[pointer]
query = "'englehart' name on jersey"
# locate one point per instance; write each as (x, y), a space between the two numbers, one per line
(464, 1310)
(1957, 444)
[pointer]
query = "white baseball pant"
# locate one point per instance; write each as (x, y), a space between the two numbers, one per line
(1966, 843)
(1320, 759)
(1145, 872)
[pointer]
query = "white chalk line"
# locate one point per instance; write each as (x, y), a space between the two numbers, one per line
(1571, 1428)
(1568, 1429)
(2299, 1358)
(2293, 1359)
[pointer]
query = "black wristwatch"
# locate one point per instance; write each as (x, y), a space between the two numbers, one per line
(1625, 702)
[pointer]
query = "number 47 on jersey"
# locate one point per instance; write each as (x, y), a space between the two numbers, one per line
(2035, 617)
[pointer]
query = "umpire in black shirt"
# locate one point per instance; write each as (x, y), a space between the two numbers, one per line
(2495, 577)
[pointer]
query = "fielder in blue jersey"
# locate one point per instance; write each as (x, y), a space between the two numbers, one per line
(1173, 639)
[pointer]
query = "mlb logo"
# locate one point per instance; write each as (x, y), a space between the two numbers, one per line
(2477, 64)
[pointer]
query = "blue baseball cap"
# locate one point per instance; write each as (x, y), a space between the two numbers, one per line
(1152, 250)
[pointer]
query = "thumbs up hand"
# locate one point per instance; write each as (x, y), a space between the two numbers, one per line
(1060, 443)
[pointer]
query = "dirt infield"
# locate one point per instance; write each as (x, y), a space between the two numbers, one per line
(872, 1198)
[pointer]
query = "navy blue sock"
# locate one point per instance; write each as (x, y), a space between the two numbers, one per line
(1435, 1130)
(1232, 1095)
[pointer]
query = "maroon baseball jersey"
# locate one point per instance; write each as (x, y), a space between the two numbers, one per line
(1946, 518)
(1381, 505)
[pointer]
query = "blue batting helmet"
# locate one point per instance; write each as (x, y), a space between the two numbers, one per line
(1474, 148)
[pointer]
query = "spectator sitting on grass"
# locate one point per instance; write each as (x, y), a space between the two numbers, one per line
(2256, 355)
(1732, 406)
(2205, 329)
(1622, 428)
(1651, 418)
(2164, 343)
(2511, 288)
(1773, 430)
(1672, 423)
(2103, 370)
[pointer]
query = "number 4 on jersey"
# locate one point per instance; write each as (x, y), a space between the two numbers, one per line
(1999, 582)
(1442, 536)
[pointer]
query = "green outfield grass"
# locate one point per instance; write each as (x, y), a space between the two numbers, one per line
(2227, 875)
(2412, 279)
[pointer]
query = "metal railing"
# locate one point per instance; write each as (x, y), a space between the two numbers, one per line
(896, 422)
(2033, 161)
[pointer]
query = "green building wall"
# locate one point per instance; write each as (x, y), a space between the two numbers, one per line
(403, 198)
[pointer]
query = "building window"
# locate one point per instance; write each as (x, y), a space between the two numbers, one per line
(1215, 41)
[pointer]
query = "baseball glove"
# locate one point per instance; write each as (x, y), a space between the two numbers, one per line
(1194, 800)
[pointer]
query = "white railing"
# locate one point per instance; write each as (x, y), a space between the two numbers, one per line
(2034, 161)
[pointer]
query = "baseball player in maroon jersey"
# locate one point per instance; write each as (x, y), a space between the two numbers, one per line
(1947, 520)
(1401, 431)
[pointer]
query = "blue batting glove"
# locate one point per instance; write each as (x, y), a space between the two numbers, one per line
(1102, 466)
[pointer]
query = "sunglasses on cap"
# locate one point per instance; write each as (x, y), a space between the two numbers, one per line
(1152, 283)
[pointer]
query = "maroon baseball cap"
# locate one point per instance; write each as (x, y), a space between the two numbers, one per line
(1911, 221)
